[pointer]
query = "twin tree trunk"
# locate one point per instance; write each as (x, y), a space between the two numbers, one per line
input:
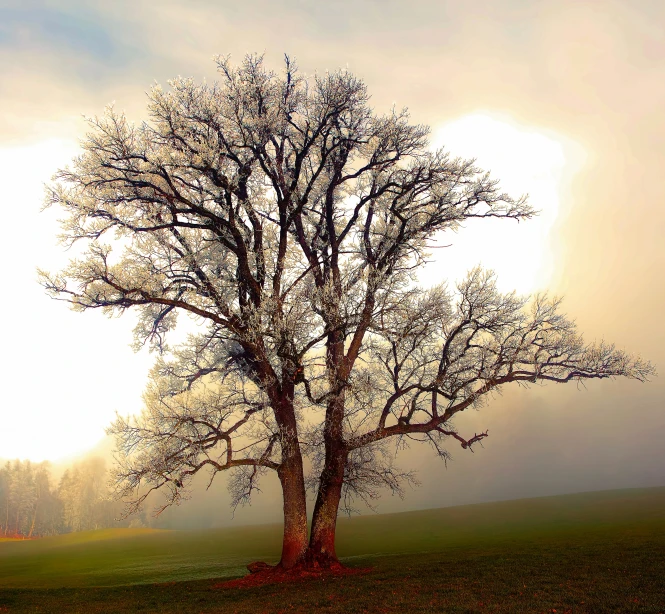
(320, 552)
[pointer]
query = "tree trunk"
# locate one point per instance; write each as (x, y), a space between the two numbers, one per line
(321, 552)
(292, 477)
(32, 526)
(294, 543)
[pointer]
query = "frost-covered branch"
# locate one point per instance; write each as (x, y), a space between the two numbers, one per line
(445, 358)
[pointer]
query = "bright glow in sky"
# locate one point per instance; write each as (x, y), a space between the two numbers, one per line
(526, 161)
(67, 372)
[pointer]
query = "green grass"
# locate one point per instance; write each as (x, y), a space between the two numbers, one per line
(591, 552)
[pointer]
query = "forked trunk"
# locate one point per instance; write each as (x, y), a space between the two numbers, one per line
(321, 552)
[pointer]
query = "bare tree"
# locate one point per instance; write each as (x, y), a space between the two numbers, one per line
(291, 220)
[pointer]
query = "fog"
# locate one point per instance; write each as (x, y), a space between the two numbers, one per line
(584, 72)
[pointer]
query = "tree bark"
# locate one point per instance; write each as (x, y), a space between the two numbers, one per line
(294, 543)
(321, 551)
(292, 478)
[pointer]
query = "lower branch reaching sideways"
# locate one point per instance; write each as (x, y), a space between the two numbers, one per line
(181, 433)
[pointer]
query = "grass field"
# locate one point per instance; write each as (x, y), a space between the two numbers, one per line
(591, 552)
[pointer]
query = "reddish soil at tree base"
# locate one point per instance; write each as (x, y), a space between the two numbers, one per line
(277, 575)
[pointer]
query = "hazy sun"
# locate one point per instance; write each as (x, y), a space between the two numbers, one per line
(526, 160)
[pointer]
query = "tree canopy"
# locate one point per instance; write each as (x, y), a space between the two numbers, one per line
(291, 220)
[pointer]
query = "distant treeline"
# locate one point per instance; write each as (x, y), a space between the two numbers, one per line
(31, 505)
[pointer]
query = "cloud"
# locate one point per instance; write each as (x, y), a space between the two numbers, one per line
(77, 33)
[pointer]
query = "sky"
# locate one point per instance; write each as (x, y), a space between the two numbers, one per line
(559, 99)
